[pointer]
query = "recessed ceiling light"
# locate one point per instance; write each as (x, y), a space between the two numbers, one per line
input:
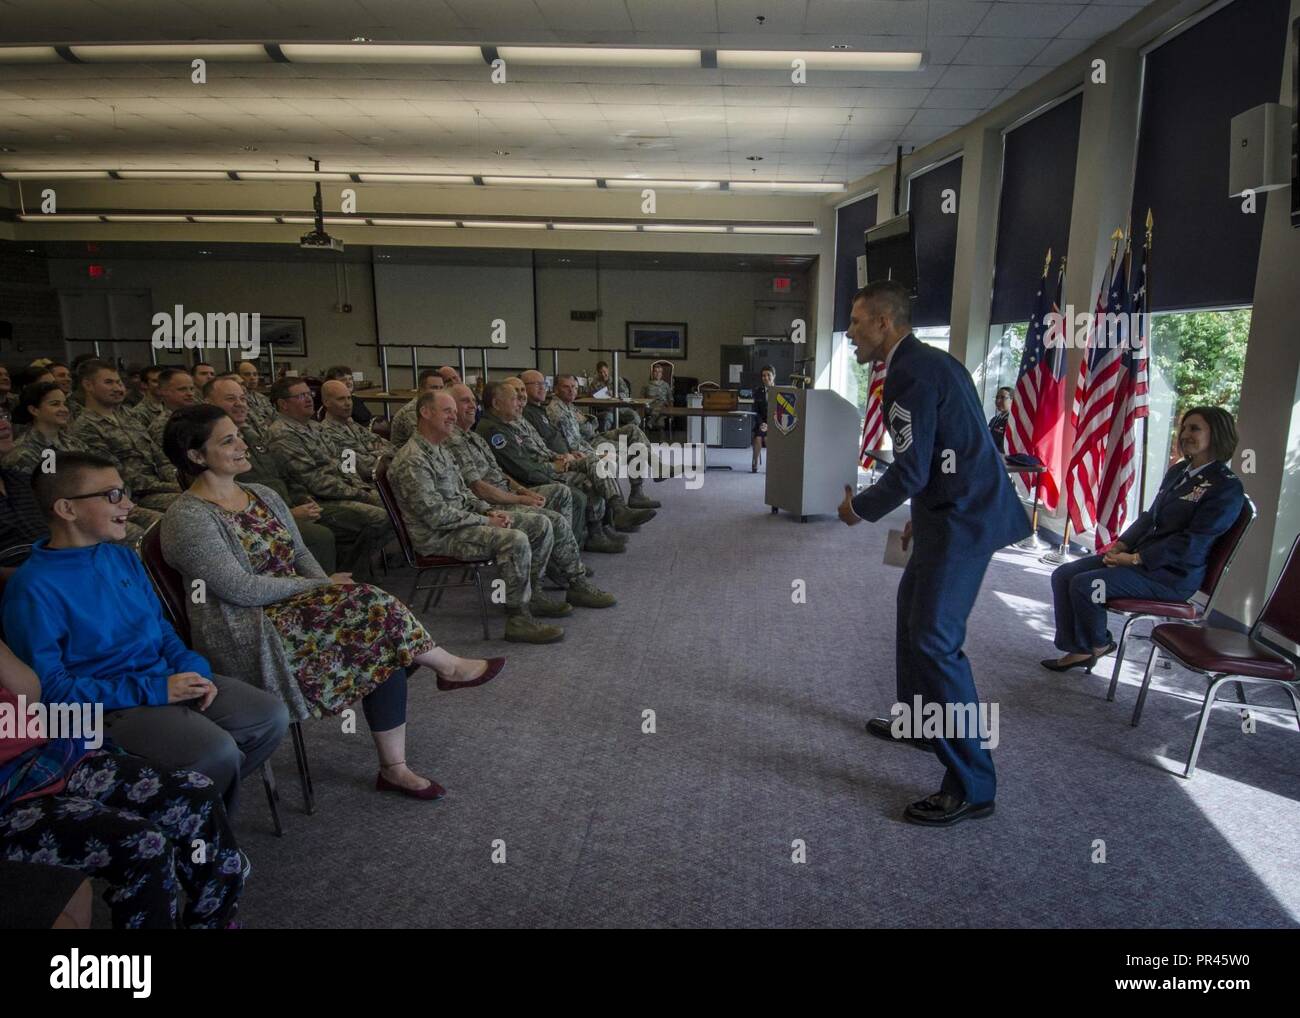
(248, 148)
(754, 159)
(500, 152)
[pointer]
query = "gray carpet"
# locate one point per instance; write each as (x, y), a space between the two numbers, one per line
(759, 707)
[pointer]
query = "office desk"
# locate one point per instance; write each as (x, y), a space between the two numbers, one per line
(694, 412)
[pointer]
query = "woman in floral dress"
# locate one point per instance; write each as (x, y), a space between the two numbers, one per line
(269, 612)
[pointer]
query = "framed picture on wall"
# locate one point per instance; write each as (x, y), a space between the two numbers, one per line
(287, 335)
(656, 339)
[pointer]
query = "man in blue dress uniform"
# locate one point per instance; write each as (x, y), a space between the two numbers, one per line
(963, 510)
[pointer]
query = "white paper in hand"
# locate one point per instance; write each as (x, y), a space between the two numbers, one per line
(895, 555)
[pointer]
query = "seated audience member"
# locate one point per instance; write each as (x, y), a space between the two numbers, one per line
(150, 407)
(450, 376)
(105, 429)
(8, 398)
(998, 422)
(64, 378)
(480, 473)
(135, 387)
(405, 421)
(113, 816)
(758, 436)
(227, 392)
(566, 432)
(349, 505)
(43, 408)
(526, 457)
(21, 521)
(260, 406)
(361, 413)
(82, 613)
(272, 614)
(39, 896)
(344, 433)
(660, 392)
(22, 378)
(1163, 555)
(202, 373)
(445, 518)
(601, 380)
(175, 390)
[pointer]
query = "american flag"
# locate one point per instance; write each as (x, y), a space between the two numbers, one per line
(1034, 426)
(1130, 400)
(1094, 404)
(873, 427)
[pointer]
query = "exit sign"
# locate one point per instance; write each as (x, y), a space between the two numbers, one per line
(781, 284)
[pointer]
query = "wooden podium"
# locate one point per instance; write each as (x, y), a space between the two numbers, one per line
(812, 450)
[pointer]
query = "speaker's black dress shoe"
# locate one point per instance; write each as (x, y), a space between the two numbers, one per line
(881, 728)
(944, 810)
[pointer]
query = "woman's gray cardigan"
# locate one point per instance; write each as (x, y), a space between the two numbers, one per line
(228, 625)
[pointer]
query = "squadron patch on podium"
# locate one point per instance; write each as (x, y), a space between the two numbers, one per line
(784, 416)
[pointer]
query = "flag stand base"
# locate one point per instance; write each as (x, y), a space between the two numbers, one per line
(1057, 556)
(1033, 543)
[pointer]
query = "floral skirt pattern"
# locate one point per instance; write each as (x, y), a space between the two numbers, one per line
(343, 641)
(150, 833)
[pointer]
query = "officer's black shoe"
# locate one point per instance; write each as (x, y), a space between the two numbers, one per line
(944, 810)
(882, 728)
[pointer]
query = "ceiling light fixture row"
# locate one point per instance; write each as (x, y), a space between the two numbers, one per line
(366, 52)
(443, 179)
(394, 219)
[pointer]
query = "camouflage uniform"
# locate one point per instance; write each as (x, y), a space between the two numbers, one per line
(266, 470)
(260, 408)
(564, 419)
(625, 414)
(145, 470)
(368, 447)
(662, 394)
(405, 424)
(446, 518)
(350, 507)
(475, 462)
(524, 456)
(146, 412)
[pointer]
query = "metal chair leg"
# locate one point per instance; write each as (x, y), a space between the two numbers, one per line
(304, 769)
(482, 601)
(1241, 693)
(1210, 695)
(272, 797)
(1119, 657)
(1295, 700)
(1146, 684)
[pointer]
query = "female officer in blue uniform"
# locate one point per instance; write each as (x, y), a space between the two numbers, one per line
(963, 510)
(1163, 555)
(758, 438)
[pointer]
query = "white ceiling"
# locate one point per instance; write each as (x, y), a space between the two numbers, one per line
(552, 121)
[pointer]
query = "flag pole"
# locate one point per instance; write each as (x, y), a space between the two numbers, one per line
(1146, 419)
(1033, 542)
(1061, 554)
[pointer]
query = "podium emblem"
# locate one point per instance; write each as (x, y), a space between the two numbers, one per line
(784, 416)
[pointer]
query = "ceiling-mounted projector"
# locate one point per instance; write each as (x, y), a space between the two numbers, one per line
(318, 239)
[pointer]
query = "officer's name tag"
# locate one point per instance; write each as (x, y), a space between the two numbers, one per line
(895, 554)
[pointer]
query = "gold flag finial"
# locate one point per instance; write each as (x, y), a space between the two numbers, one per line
(1150, 223)
(1047, 265)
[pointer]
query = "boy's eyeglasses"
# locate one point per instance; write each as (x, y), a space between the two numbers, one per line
(114, 495)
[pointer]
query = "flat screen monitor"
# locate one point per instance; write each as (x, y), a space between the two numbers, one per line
(891, 252)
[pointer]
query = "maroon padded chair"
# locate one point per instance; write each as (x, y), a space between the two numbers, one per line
(1228, 656)
(171, 592)
(1195, 609)
(442, 566)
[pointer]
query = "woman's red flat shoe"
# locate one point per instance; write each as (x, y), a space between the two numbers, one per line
(432, 790)
(493, 669)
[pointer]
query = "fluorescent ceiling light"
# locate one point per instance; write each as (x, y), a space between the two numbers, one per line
(819, 60)
(379, 53)
(598, 56)
(139, 218)
(413, 178)
(29, 217)
(540, 181)
(662, 185)
(681, 228)
(28, 54)
(55, 175)
(341, 178)
(173, 174)
(234, 219)
(412, 222)
(329, 221)
(592, 227)
(803, 230)
(494, 224)
(243, 52)
(787, 185)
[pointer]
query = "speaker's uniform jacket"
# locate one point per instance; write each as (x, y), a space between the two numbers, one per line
(963, 509)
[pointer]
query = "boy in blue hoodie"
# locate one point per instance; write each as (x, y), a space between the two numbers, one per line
(83, 614)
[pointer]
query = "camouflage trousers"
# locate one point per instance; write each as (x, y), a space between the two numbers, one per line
(521, 550)
(566, 558)
(631, 432)
(569, 503)
(585, 477)
(358, 528)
